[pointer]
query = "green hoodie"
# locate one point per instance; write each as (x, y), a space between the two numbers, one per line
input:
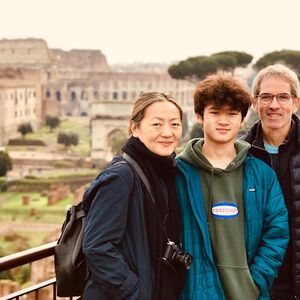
(223, 194)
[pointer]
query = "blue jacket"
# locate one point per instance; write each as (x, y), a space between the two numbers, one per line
(116, 242)
(266, 229)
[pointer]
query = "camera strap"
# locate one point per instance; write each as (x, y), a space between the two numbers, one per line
(146, 182)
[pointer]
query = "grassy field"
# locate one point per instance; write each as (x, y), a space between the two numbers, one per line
(38, 210)
(78, 125)
(27, 226)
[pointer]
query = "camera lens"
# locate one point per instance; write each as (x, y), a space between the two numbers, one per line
(187, 261)
(175, 254)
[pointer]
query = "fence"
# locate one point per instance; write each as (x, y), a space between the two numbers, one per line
(25, 257)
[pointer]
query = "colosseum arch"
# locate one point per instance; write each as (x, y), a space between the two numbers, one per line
(109, 122)
(107, 136)
(115, 140)
(73, 96)
(58, 96)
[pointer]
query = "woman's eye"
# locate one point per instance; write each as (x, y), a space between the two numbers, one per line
(176, 124)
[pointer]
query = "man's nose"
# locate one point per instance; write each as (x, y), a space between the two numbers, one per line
(274, 103)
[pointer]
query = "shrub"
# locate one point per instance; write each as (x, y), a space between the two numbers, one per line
(5, 163)
(67, 139)
(25, 128)
(52, 122)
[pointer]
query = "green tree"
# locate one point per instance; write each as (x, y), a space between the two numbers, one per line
(5, 163)
(67, 139)
(193, 68)
(290, 58)
(52, 122)
(24, 129)
(196, 68)
(242, 59)
(224, 62)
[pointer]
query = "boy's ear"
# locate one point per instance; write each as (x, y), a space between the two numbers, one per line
(242, 123)
(199, 119)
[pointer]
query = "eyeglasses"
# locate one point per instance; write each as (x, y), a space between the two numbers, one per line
(282, 98)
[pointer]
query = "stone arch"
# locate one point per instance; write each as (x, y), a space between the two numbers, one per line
(104, 131)
(115, 140)
(58, 96)
(73, 96)
(115, 95)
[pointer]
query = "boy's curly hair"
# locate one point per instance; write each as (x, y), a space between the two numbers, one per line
(222, 89)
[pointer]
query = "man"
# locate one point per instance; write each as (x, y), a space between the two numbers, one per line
(235, 221)
(277, 134)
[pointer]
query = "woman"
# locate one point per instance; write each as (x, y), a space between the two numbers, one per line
(126, 233)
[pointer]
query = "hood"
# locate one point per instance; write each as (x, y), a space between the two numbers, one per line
(193, 155)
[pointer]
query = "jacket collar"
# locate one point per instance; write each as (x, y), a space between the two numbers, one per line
(254, 135)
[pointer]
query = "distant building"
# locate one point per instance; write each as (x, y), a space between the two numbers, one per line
(78, 83)
(76, 97)
(20, 102)
(35, 53)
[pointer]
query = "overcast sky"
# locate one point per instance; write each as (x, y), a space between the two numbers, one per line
(156, 30)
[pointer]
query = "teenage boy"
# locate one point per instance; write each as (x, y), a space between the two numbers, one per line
(235, 221)
(276, 98)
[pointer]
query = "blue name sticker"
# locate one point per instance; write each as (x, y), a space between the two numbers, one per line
(224, 210)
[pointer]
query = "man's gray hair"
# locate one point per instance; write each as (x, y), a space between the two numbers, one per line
(277, 70)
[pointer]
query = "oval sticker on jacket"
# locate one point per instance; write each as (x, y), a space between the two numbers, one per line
(224, 210)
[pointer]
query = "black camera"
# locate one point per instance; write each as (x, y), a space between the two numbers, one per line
(174, 255)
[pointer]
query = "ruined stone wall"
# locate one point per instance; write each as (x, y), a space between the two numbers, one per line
(35, 53)
(83, 60)
(76, 97)
(24, 52)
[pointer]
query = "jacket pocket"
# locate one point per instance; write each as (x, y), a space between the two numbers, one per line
(237, 283)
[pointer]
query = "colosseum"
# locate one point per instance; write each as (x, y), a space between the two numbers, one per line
(80, 83)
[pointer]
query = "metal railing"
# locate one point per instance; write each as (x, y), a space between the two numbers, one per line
(29, 256)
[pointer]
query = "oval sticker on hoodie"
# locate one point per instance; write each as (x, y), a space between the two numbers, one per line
(224, 210)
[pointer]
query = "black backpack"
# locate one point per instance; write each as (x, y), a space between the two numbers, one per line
(70, 265)
(69, 261)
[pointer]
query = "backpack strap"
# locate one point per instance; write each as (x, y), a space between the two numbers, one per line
(146, 182)
(140, 172)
